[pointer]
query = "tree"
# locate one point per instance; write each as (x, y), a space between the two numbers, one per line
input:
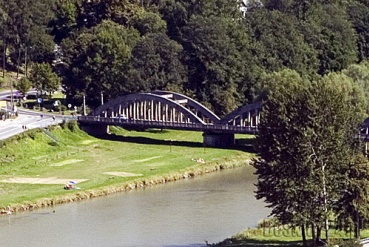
(23, 86)
(359, 16)
(278, 43)
(327, 30)
(359, 73)
(305, 140)
(177, 13)
(65, 20)
(150, 22)
(352, 207)
(96, 61)
(44, 79)
(215, 61)
(156, 65)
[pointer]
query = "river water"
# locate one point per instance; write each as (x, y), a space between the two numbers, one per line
(183, 213)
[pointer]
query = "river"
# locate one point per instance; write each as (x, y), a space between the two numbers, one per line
(183, 213)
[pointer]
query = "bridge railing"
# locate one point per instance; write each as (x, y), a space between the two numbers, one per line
(169, 125)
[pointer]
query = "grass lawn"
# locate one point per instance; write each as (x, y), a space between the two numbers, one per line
(286, 237)
(119, 158)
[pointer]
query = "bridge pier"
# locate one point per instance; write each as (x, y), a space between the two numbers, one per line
(212, 139)
(95, 130)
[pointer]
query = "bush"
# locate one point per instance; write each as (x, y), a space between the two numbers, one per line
(72, 125)
(343, 242)
(53, 143)
(32, 134)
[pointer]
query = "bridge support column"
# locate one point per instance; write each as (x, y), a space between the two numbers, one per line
(96, 130)
(218, 139)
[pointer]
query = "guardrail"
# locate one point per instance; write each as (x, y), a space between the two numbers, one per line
(224, 128)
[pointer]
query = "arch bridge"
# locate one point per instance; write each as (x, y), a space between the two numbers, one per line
(170, 110)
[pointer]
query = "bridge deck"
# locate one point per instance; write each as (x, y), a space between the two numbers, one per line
(223, 128)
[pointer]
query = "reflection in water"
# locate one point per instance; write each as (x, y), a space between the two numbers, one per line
(184, 213)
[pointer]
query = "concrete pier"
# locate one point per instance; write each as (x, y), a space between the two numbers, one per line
(218, 139)
(95, 130)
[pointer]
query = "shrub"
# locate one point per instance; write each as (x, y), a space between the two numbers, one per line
(72, 125)
(343, 242)
(32, 135)
(53, 143)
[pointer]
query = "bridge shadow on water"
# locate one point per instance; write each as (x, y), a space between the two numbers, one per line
(245, 145)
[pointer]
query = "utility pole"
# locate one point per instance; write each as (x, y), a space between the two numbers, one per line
(11, 94)
(84, 105)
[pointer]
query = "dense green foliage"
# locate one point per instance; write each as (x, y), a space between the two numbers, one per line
(309, 164)
(215, 51)
(308, 56)
(44, 79)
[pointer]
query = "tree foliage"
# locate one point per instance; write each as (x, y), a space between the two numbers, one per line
(24, 85)
(96, 62)
(224, 51)
(304, 144)
(156, 65)
(44, 79)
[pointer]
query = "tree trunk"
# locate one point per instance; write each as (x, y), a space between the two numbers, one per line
(18, 62)
(303, 233)
(4, 51)
(318, 232)
(357, 226)
(25, 62)
(313, 234)
(326, 230)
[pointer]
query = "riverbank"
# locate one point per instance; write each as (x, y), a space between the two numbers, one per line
(269, 235)
(33, 165)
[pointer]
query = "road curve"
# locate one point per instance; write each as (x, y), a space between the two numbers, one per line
(31, 120)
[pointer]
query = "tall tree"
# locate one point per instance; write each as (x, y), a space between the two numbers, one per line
(156, 65)
(65, 20)
(358, 12)
(279, 43)
(96, 61)
(326, 28)
(352, 207)
(215, 62)
(359, 73)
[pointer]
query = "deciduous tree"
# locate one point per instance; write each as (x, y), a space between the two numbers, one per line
(23, 86)
(305, 141)
(96, 61)
(44, 79)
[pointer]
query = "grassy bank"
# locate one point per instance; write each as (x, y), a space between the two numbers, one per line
(284, 236)
(124, 160)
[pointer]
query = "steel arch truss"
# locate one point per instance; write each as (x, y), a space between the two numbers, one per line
(245, 116)
(151, 107)
(197, 108)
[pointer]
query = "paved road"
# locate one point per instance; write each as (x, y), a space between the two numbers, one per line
(30, 119)
(6, 94)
